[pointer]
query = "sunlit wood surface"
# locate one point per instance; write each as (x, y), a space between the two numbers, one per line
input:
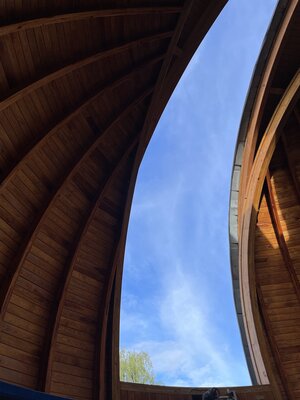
(269, 209)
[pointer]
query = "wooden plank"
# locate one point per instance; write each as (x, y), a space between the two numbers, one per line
(275, 351)
(71, 360)
(35, 331)
(280, 237)
(248, 223)
(27, 315)
(17, 378)
(63, 389)
(7, 287)
(80, 344)
(261, 96)
(84, 382)
(83, 15)
(40, 141)
(14, 342)
(63, 293)
(75, 371)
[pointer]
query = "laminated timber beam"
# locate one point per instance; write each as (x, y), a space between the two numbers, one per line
(148, 126)
(105, 313)
(172, 49)
(262, 265)
(248, 220)
(256, 112)
(79, 16)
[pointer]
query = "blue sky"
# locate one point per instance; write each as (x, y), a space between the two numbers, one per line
(177, 301)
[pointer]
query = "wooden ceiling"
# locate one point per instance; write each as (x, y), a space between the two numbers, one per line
(267, 183)
(83, 84)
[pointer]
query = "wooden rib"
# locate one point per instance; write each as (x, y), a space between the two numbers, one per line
(58, 308)
(256, 113)
(12, 275)
(79, 16)
(104, 316)
(45, 80)
(39, 142)
(146, 130)
(248, 223)
(291, 166)
(273, 344)
(109, 287)
(114, 327)
(280, 236)
(172, 49)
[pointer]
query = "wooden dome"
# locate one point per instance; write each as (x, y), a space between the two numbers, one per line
(265, 210)
(83, 84)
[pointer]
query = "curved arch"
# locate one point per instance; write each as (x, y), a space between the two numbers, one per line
(254, 189)
(29, 301)
(256, 112)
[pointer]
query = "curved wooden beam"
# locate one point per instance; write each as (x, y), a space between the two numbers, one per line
(45, 80)
(42, 139)
(113, 283)
(172, 48)
(57, 311)
(104, 316)
(148, 125)
(82, 15)
(254, 189)
(256, 113)
(7, 287)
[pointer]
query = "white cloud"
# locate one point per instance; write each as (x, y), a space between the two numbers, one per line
(194, 354)
(178, 302)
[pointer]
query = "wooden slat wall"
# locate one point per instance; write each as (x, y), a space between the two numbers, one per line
(73, 99)
(266, 233)
(277, 259)
(131, 391)
(82, 85)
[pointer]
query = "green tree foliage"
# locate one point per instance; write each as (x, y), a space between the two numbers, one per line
(136, 367)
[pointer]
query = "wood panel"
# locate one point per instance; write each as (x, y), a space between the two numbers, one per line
(140, 392)
(81, 83)
(277, 251)
(263, 257)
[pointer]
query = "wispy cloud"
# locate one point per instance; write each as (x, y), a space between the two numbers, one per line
(177, 297)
